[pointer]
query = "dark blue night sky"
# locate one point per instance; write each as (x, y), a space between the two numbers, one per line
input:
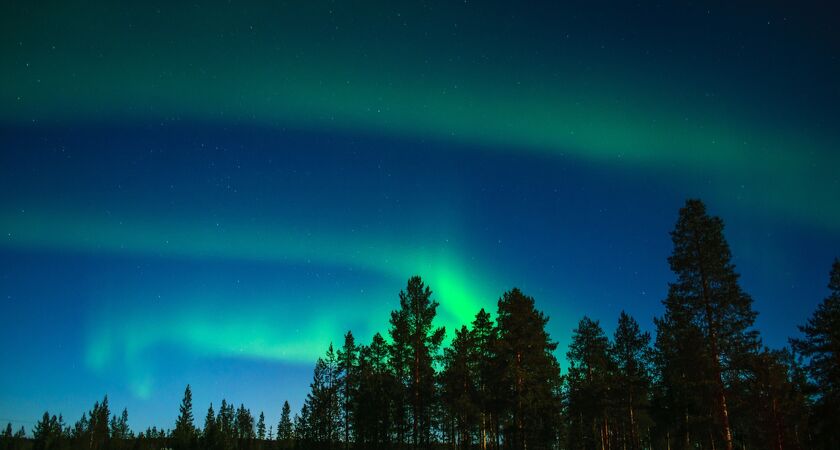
(212, 194)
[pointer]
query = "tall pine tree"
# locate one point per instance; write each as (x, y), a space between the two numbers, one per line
(631, 358)
(348, 357)
(706, 294)
(529, 374)
(417, 342)
(589, 384)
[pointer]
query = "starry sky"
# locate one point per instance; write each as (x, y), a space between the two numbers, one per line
(211, 193)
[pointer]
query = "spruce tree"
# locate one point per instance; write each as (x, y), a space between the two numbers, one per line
(820, 345)
(98, 427)
(681, 391)
(631, 358)
(459, 390)
(244, 426)
(42, 434)
(347, 364)
(209, 435)
(184, 433)
(417, 342)
(529, 374)
(375, 405)
(483, 335)
(322, 407)
(589, 378)
(225, 426)
(285, 427)
(707, 293)
(261, 427)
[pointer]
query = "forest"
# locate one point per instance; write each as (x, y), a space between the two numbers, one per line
(703, 380)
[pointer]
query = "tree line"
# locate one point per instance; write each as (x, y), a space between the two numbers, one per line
(705, 380)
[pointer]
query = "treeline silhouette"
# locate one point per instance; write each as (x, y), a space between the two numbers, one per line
(706, 380)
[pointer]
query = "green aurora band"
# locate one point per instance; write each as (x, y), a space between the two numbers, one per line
(266, 67)
(195, 325)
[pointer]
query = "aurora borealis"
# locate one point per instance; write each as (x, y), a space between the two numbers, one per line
(210, 194)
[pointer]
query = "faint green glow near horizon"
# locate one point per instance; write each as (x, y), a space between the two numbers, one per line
(194, 323)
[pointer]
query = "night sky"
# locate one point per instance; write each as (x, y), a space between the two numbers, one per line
(211, 193)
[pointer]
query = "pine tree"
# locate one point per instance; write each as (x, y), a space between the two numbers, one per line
(261, 427)
(184, 433)
(820, 345)
(285, 427)
(44, 436)
(529, 374)
(771, 405)
(303, 433)
(98, 426)
(374, 404)
(590, 377)
(483, 335)
(347, 364)
(210, 433)
(417, 343)
(631, 358)
(681, 391)
(321, 403)
(225, 426)
(7, 438)
(459, 391)
(119, 426)
(708, 294)
(244, 426)
(81, 429)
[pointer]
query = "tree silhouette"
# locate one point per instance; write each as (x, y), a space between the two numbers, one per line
(209, 436)
(184, 434)
(261, 427)
(459, 390)
(484, 337)
(706, 383)
(285, 428)
(631, 359)
(589, 386)
(348, 357)
(821, 346)
(416, 344)
(707, 294)
(529, 374)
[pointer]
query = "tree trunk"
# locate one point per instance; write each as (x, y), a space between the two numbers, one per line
(711, 326)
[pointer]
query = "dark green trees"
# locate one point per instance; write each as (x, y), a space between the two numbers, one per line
(48, 433)
(261, 427)
(184, 435)
(705, 384)
(98, 431)
(210, 434)
(415, 345)
(821, 346)
(589, 384)
(528, 374)
(285, 427)
(322, 418)
(459, 391)
(225, 427)
(706, 298)
(375, 404)
(484, 341)
(347, 379)
(631, 357)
